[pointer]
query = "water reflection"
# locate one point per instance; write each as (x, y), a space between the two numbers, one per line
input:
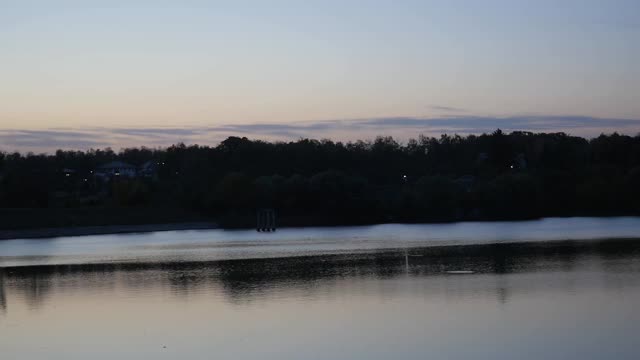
(247, 280)
(572, 300)
(216, 245)
(3, 297)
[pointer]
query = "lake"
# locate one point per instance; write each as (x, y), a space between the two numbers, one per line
(544, 289)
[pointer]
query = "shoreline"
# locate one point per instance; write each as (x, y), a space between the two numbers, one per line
(54, 232)
(102, 230)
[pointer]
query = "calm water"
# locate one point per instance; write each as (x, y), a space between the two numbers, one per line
(353, 295)
(208, 245)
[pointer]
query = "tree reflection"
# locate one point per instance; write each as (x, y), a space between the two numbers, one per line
(241, 281)
(35, 287)
(3, 297)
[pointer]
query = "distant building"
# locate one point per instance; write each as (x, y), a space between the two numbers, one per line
(149, 169)
(520, 162)
(482, 158)
(68, 172)
(116, 168)
(466, 182)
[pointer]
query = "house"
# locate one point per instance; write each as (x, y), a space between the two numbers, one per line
(68, 172)
(519, 162)
(116, 168)
(466, 182)
(482, 158)
(149, 170)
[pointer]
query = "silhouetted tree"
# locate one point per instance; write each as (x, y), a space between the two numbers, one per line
(490, 176)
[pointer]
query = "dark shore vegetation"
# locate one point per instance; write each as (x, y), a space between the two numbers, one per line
(495, 176)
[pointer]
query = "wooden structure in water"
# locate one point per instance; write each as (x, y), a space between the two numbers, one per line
(265, 220)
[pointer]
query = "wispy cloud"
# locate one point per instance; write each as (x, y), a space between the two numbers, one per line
(447, 109)
(47, 140)
(576, 125)
(402, 128)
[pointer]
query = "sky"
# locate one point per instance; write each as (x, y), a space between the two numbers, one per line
(81, 74)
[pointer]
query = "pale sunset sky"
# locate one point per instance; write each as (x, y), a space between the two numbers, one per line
(81, 74)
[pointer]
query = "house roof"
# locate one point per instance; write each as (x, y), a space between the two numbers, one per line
(117, 165)
(149, 165)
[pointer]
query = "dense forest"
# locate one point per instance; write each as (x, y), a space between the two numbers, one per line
(520, 175)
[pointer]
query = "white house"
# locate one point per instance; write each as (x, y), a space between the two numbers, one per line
(116, 168)
(149, 170)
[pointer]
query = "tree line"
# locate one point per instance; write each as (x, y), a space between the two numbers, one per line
(496, 176)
